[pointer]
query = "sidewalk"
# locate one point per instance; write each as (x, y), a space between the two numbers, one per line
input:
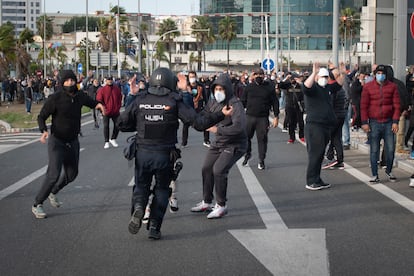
(358, 138)
(401, 160)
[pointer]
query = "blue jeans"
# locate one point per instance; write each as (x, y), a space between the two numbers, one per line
(282, 99)
(28, 105)
(346, 137)
(380, 131)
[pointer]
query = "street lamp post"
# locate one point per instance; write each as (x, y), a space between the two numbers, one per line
(117, 43)
(44, 39)
(87, 40)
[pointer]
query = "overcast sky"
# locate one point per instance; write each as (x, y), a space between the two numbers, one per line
(155, 7)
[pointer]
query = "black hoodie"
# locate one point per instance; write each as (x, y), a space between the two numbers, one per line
(231, 132)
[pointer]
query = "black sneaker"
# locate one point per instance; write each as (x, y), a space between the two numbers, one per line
(329, 163)
(347, 147)
(154, 233)
(246, 159)
(261, 165)
(136, 221)
(325, 185)
(374, 179)
(339, 166)
(391, 177)
(314, 186)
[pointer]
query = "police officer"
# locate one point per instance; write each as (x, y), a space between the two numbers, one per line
(154, 115)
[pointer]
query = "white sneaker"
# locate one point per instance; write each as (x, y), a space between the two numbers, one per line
(411, 182)
(218, 212)
(173, 204)
(38, 211)
(202, 207)
(106, 146)
(54, 201)
(113, 143)
(147, 213)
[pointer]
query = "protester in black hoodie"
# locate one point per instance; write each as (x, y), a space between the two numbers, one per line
(230, 144)
(259, 98)
(63, 146)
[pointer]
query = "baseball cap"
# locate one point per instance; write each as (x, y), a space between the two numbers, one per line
(381, 68)
(323, 72)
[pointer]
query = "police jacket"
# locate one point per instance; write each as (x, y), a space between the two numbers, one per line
(65, 110)
(231, 132)
(155, 118)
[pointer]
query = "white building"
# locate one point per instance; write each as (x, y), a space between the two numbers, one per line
(22, 13)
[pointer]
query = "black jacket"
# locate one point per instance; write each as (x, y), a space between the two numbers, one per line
(66, 114)
(260, 99)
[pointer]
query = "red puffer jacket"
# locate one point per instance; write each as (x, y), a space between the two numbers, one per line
(380, 102)
(111, 98)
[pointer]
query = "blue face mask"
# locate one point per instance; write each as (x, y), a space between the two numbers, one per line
(380, 77)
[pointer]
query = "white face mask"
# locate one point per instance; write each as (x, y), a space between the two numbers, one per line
(220, 96)
(322, 81)
(192, 80)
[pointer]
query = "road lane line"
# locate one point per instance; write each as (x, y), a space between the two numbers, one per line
(381, 188)
(23, 182)
(264, 205)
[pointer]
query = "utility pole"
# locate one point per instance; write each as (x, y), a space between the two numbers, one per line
(139, 39)
(87, 40)
(335, 32)
(117, 43)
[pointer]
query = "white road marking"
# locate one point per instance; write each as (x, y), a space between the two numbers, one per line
(24, 181)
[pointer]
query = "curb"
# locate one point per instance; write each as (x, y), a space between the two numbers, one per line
(6, 127)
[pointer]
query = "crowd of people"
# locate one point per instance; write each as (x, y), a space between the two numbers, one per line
(320, 109)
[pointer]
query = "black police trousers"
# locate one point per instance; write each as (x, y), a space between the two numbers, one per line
(149, 164)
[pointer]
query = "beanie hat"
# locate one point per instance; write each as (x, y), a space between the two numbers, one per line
(67, 74)
(380, 68)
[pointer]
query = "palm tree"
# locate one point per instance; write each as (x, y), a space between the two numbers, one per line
(350, 25)
(228, 32)
(107, 28)
(49, 26)
(22, 56)
(7, 48)
(61, 56)
(202, 23)
(160, 53)
(167, 33)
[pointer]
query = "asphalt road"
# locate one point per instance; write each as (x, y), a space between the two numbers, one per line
(274, 225)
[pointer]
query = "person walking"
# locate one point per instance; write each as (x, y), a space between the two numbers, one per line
(92, 91)
(196, 93)
(380, 113)
(320, 121)
(294, 106)
(111, 97)
(63, 145)
(154, 115)
(258, 99)
(28, 95)
(229, 146)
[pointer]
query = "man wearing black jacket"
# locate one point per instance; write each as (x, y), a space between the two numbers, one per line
(63, 146)
(258, 99)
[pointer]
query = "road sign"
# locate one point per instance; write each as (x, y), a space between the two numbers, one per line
(412, 25)
(99, 58)
(80, 68)
(268, 64)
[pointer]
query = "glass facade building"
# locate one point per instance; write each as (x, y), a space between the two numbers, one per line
(302, 25)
